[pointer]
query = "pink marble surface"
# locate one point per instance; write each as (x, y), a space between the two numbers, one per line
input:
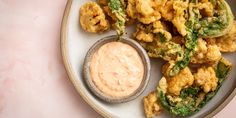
(33, 81)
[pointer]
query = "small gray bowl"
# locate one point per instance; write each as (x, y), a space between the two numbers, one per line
(92, 86)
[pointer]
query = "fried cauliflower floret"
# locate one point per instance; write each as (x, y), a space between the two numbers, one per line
(131, 9)
(206, 78)
(179, 20)
(206, 53)
(92, 18)
(144, 7)
(226, 43)
(169, 51)
(182, 80)
(206, 8)
(144, 10)
(150, 19)
(152, 105)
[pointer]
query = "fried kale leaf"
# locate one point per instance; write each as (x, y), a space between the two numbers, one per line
(189, 96)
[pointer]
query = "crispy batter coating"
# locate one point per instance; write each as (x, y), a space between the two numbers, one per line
(107, 10)
(167, 11)
(182, 80)
(226, 43)
(144, 7)
(131, 9)
(206, 8)
(179, 19)
(163, 84)
(160, 27)
(206, 78)
(114, 17)
(174, 11)
(174, 99)
(151, 104)
(146, 32)
(150, 19)
(206, 53)
(147, 13)
(92, 18)
(158, 48)
(178, 39)
(168, 29)
(102, 2)
(142, 35)
(213, 53)
(201, 50)
(143, 10)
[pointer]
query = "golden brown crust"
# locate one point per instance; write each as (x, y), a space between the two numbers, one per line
(182, 80)
(226, 43)
(92, 18)
(151, 105)
(102, 2)
(206, 53)
(206, 78)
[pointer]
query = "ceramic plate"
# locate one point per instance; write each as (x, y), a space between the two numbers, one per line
(75, 43)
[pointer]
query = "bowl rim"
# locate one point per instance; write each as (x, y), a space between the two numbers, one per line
(72, 77)
(87, 64)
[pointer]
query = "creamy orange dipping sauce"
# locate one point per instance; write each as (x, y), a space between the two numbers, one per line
(117, 69)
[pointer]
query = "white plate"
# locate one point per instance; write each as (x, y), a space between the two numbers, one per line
(75, 44)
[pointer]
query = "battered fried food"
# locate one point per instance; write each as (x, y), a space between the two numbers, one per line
(146, 33)
(179, 19)
(151, 105)
(102, 2)
(117, 8)
(146, 12)
(168, 51)
(206, 53)
(180, 32)
(182, 80)
(92, 18)
(191, 99)
(206, 78)
(131, 9)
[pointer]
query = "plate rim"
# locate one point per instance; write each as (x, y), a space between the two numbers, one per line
(73, 79)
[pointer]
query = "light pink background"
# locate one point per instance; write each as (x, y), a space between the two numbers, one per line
(33, 81)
